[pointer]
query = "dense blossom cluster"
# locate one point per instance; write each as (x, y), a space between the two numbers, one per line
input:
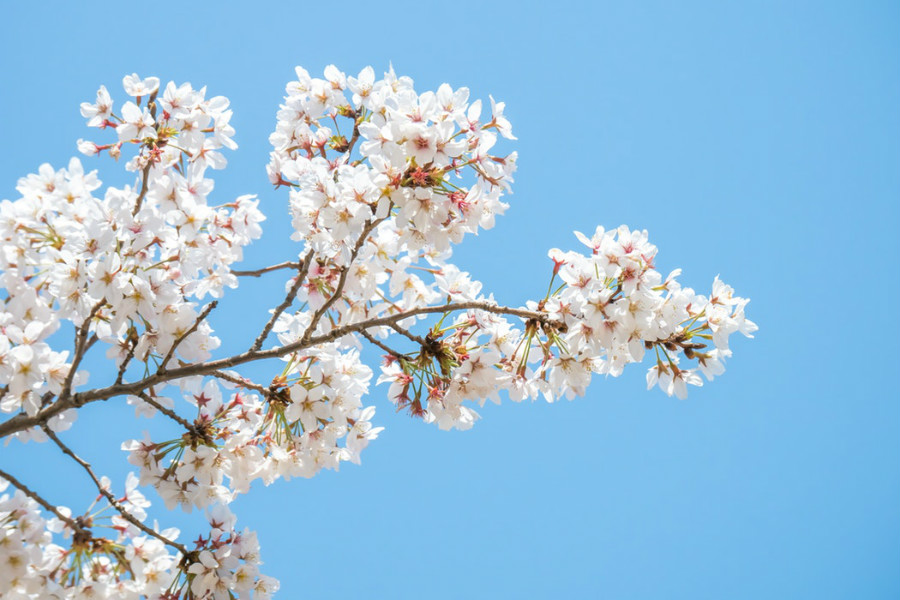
(127, 565)
(413, 148)
(312, 420)
(610, 307)
(382, 182)
(132, 262)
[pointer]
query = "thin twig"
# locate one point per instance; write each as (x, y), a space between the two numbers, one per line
(288, 300)
(109, 496)
(356, 122)
(260, 272)
(166, 411)
(37, 498)
(124, 366)
(373, 340)
(209, 308)
(81, 346)
(242, 382)
(407, 333)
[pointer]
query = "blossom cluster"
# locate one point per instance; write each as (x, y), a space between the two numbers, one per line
(127, 565)
(313, 419)
(131, 265)
(412, 149)
(610, 307)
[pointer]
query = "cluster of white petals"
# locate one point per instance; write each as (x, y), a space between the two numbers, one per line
(313, 420)
(610, 307)
(132, 262)
(127, 565)
(417, 155)
(382, 182)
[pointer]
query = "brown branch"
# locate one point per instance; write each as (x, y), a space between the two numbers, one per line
(242, 382)
(259, 272)
(37, 498)
(23, 421)
(109, 496)
(407, 333)
(166, 411)
(288, 300)
(358, 119)
(209, 308)
(81, 347)
(373, 340)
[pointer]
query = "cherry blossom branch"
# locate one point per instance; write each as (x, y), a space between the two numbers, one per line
(73, 525)
(110, 497)
(209, 308)
(260, 272)
(357, 119)
(23, 421)
(288, 300)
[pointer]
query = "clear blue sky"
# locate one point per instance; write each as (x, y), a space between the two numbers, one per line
(760, 143)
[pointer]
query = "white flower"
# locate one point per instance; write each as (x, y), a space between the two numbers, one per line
(135, 86)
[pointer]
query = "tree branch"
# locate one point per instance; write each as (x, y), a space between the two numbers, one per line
(408, 334)
(373, 340)
(132, 346)
(357, 120)
(49, 507)
(166, 411)
(145, 174)
(23, 421)
(339, 288)
(109, 496)
(242, 382)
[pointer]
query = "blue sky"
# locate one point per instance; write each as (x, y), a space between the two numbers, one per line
(761, 143)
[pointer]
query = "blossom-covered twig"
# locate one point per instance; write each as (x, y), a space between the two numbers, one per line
(375, 341)
(82, 344)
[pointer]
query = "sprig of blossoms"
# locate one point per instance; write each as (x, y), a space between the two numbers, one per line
(311, 419)
(610, 307)
(132, 263)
